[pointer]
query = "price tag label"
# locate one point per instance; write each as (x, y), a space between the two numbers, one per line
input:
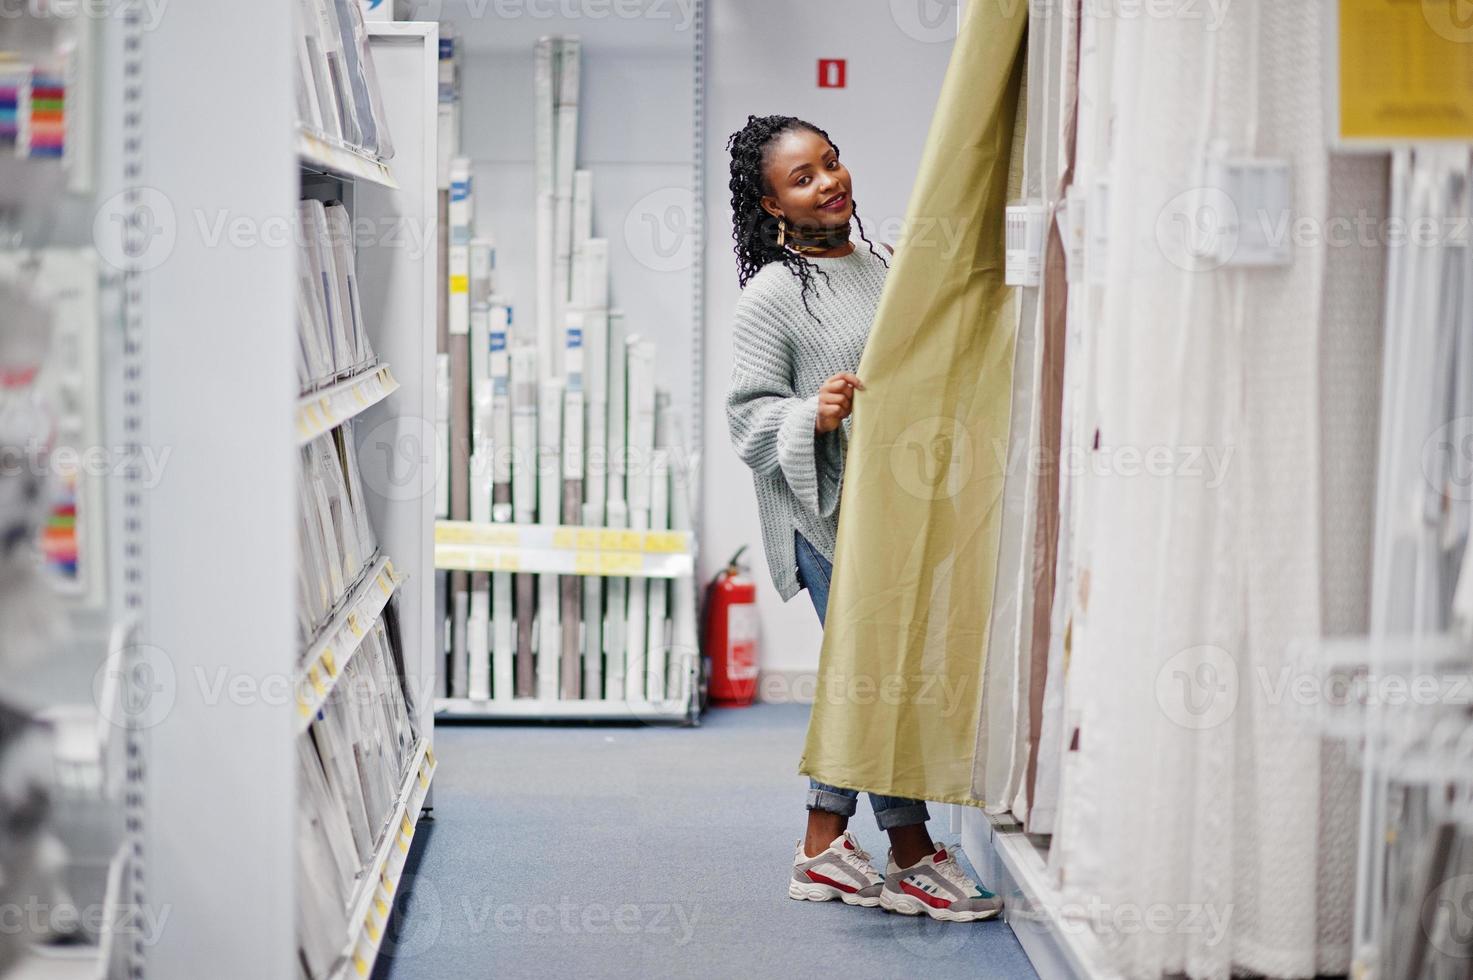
(664, 542)
(615, 539)
(620, 564)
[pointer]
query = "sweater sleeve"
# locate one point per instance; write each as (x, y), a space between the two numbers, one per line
(772, 426)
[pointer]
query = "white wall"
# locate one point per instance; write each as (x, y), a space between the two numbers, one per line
(762, 58)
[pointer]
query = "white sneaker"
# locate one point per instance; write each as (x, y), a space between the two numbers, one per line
(841, 871)
(937, 886)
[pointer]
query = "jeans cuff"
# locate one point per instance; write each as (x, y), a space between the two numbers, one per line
(902, 816)
(844, 806)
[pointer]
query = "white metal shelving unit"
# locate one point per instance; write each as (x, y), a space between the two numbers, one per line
(217, 764)
(641, 133)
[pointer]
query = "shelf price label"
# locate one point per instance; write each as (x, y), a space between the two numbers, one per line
(664, 542)
(615, 539)
(620, 564)
(455, 532)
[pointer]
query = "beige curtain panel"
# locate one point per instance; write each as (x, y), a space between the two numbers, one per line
(900, 676)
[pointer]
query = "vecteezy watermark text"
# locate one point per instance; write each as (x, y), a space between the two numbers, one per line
(145, 462)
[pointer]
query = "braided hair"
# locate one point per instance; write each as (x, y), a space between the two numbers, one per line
(752, 228)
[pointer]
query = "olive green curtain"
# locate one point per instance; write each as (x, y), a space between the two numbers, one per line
(900, 676)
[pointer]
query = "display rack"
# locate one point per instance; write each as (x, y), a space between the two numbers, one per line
(219, 770)
(1013, 864)
(329, 407)
(67, 624)
(328, 655)
(646, 197)
(373, 903)
(582, 551)
(322, 156)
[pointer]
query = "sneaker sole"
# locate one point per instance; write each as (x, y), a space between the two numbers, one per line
(909, 905)
(814, 892)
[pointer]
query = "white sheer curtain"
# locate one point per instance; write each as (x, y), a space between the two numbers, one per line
(1190, 829)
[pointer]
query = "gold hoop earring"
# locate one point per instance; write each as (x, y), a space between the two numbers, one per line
(782, 231)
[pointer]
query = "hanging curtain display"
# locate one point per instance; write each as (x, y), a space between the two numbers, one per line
(1200, 572)
(1003, 721)
(900, 674)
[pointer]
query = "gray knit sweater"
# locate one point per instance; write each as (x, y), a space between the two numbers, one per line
(781, 357)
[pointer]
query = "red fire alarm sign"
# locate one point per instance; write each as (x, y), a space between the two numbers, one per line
(831, 72)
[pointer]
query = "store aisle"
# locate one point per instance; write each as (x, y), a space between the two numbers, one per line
(638, 852)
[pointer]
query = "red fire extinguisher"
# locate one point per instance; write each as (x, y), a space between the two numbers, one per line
(731, 634)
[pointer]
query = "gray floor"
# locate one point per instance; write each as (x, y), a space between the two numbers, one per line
(646, 852)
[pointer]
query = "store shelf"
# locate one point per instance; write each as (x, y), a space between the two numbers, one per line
(369, 912)
(325, 409)
(480, 709)
(318, 155)
(1013, 865)
(60, 963)
(562, 550)
(336, 642)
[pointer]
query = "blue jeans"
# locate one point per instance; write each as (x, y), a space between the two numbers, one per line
(814, 571)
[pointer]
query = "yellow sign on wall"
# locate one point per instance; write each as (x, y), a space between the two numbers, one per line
(1405, 70)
